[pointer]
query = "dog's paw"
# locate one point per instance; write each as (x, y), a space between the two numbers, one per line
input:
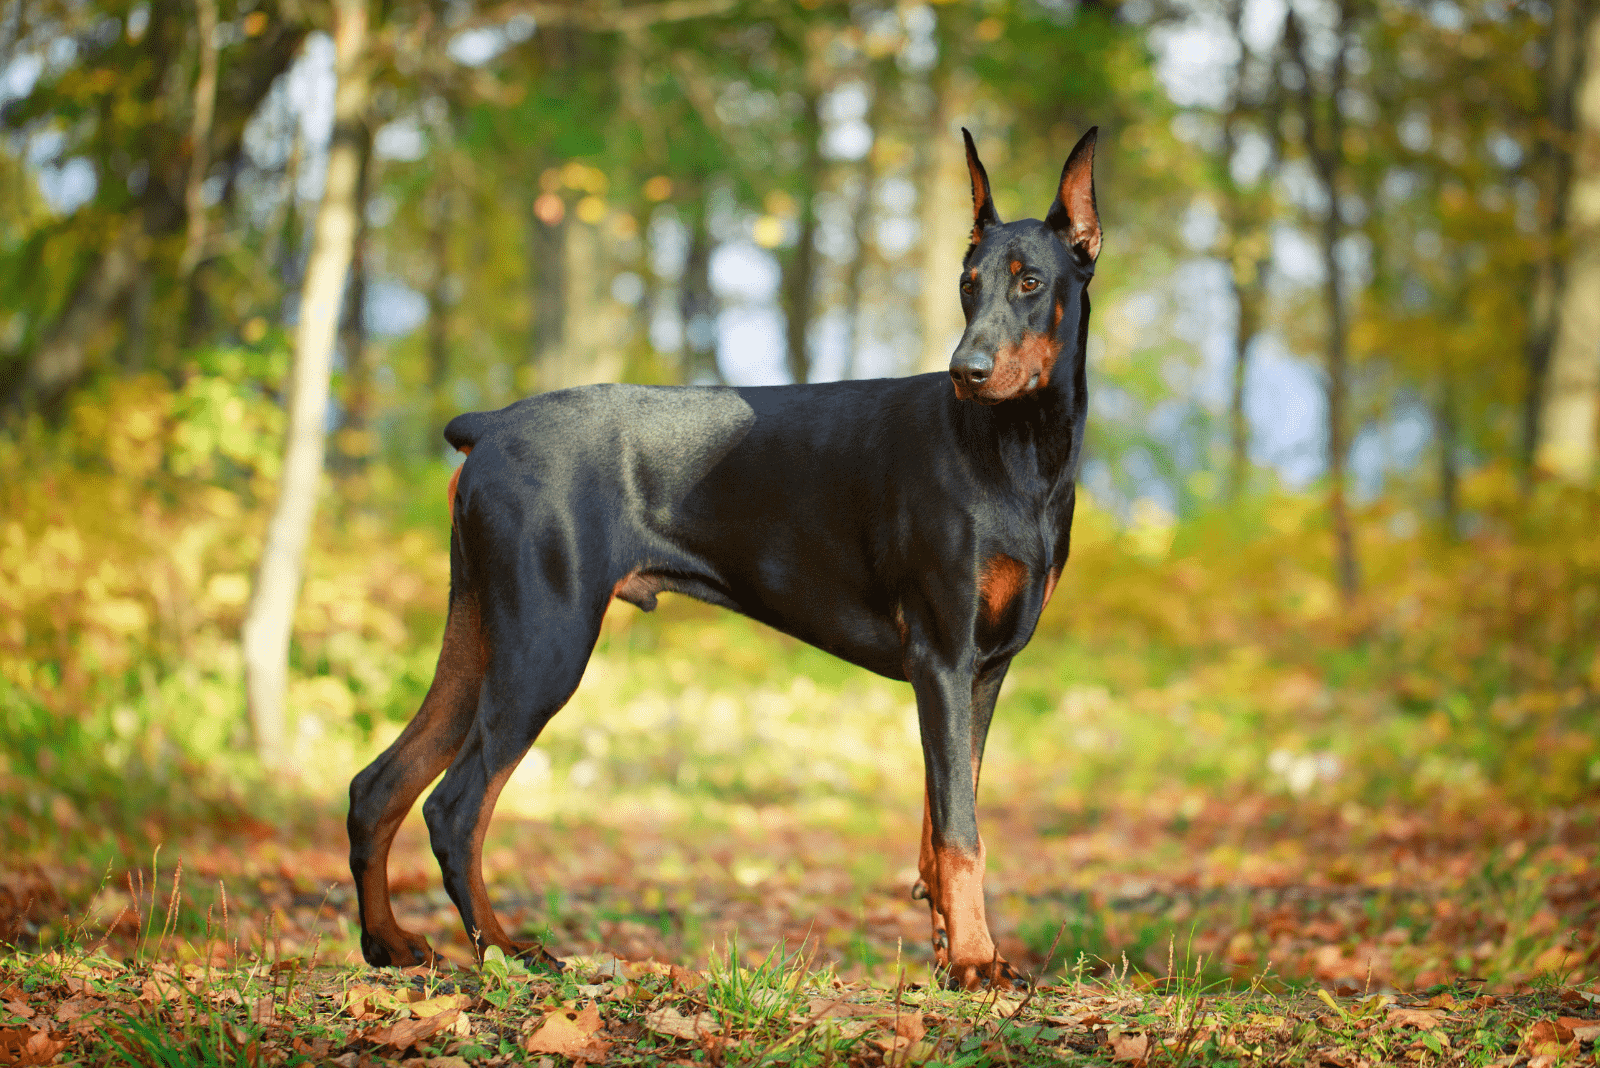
(987, 975)
(919, 891)
(408, 951)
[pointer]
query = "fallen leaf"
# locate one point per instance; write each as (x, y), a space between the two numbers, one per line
(263, 1012)
(17, 1008)
(1135, 1048)
(1418, 1018)
(685, 978)
(571, 1033)
(155, 989)
(434, 1006)
(1582, 1030)
(403, 1034)
(1548, 1038)
(1442, 1001)
(1005, 1007)
(670, 1021)
(75, 1007)
(21, 1047)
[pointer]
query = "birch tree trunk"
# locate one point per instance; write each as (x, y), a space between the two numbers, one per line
(268, 623)
(1569, 427)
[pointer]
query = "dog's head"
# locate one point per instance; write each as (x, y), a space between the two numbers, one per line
(1024, 285)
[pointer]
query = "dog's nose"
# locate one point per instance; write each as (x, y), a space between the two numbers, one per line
(971, 369)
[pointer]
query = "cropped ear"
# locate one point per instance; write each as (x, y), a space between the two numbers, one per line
(983, 213)
(1072, 214)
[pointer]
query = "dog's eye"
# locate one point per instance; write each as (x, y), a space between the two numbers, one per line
(1029, 285)
(966, 287)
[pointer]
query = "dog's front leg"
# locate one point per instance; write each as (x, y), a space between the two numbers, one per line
(952, 860)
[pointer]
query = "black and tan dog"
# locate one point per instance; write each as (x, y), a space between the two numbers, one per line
(913, 526)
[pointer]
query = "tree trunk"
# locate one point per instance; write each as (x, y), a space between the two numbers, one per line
(800, 273)
(861, 227)
(439, 301)
(1570, 418)
(594, 326)
(697, 307)
(1447, 429)
(946, 213)
(1553, 173)
(1248, 298)
(270, 618)
(1325, 147)
(205, 103)
(355, 438)
(62, 356)
(547, 279)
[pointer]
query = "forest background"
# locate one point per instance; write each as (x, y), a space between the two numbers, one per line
(1318, 694)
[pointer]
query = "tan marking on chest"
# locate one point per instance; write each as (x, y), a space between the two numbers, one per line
(1003, 578)
(455, 480)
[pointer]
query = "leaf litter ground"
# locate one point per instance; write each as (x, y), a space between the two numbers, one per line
(1261, 930)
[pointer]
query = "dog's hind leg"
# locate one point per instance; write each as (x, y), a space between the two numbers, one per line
(535, 667)
(382, 794)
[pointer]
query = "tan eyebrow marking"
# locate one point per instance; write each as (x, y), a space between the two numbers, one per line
(1016, 265)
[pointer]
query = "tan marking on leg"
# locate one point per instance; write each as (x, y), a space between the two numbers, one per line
(489, 932)
(424, 749)
(928, 868)
(972, 953)
(1001, 580)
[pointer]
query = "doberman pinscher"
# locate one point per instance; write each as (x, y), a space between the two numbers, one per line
(915, 527)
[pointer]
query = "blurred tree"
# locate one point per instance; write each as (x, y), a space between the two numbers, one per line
(1322, 130)
(269, 621)
(1569, 426)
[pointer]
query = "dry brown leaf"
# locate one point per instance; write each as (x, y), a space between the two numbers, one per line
(263, 1011)
(17, 1008)
(1418, 1018)
(571, 1033)
(403, 1034)
(909, 1026)
(1548, 1038)
(1442, 1001)
(364, 1000)
(670, 1021)
(1004, 1006)
(73, 1008)
(1582, 1030)
(1135, 1048)
(157, 988)
(686, 978)
(434, 1006)
(22, 1047)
